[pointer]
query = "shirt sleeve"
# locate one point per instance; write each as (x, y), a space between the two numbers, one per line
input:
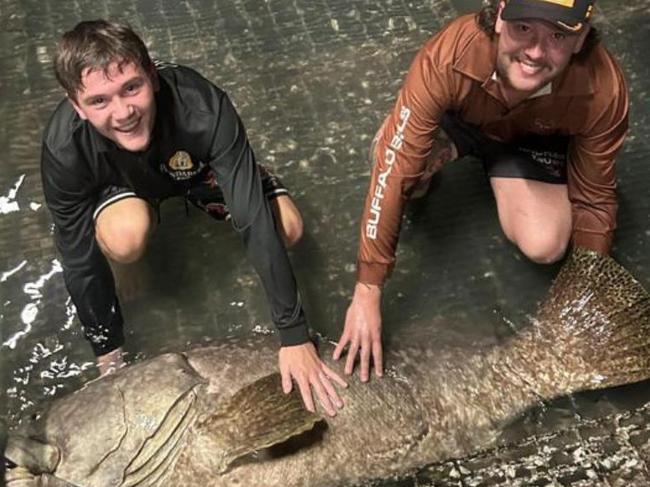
(233, 161)
(87, 274)
(592, 172)
(403, 145)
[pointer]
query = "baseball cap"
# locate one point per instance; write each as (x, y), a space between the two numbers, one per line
(571, 15)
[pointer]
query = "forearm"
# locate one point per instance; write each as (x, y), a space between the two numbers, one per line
(268, 256)
(233, 161)
(91, 286)
(98, 310)
(594, 208)
(592, 182)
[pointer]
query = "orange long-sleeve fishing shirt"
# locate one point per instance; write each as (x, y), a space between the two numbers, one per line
(454, 71)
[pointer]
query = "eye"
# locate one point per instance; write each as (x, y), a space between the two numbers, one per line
(133, 88)
(559, 36)
(98, 102)
(522, 27)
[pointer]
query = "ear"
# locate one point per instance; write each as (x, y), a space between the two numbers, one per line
(581, 39)
(498, 26)
(80, 111)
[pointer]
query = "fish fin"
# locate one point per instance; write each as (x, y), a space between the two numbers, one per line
(257, 416)
(596, 321)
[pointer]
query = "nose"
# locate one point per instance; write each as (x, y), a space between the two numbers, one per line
(122, 109)
(537, 47)
(535, 50)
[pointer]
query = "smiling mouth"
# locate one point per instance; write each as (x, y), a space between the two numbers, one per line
(129, 128)
(530, 68)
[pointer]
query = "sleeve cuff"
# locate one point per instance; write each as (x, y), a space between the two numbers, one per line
(373, 273)
(600, 242)
(296, 335)
(105, 339)
(108, 341)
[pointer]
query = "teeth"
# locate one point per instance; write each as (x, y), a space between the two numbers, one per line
(530, 68)
(129, 128)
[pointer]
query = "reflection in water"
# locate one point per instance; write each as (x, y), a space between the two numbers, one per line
(10, 272)
(30, 311)
(8, 203)
(312, 81)
(58, 368)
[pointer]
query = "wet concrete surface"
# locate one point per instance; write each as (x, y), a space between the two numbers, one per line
(612, 451)
(312, 82)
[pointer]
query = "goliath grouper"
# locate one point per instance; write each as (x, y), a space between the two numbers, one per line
(212, 417)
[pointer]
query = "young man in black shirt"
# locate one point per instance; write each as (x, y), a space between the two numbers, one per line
(132, 133)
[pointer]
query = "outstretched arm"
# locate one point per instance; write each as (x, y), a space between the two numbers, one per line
(403, 145)
(234, 162)
(86, 271)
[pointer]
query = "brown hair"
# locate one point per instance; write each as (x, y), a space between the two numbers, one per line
(486, 18)
(95, 44)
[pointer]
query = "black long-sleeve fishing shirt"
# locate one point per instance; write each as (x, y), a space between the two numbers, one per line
(193, 118)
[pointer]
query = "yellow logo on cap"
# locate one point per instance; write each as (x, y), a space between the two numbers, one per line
(564, 3)
(573, 28)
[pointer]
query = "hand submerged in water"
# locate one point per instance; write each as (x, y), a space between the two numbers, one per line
(302, 364)
(110, 362)
(362, 331)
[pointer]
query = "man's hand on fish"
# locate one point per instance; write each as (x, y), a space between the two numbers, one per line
(362, 331)
(302, 364)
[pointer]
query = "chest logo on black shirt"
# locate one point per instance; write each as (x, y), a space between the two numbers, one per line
(181, 166)
(181, 161)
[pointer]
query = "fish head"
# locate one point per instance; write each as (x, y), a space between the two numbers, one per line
(124, 426)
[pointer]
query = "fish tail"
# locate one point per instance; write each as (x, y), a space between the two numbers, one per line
(593, 330)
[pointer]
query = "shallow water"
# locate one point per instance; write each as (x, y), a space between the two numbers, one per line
(312, 80)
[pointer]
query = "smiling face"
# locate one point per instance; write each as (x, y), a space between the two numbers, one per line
(531, 53)
(119, 102)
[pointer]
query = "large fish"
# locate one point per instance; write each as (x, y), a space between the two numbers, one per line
(212, 417)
